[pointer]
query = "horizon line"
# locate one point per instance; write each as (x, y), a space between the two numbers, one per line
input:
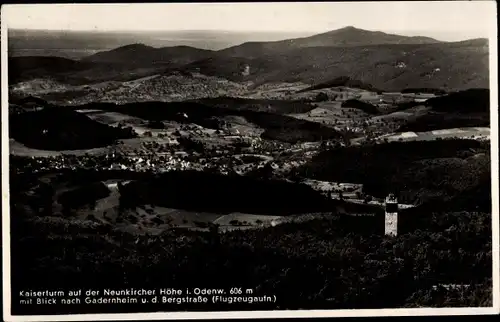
(395, 31)
(303, 33)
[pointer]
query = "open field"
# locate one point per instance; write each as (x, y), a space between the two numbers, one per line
(239, 219)
(333, 186)
(475, 133)
(331, 113)
(18, 149)
(404, 115)
(111, 118)
(139, 125)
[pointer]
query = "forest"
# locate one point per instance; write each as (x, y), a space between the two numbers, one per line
(57, 128)
(206, 192)
(439, 121)
(408, 169)
(469, 101)
(332, 262)
(337, 260)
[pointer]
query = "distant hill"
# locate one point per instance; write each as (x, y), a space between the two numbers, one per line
(344, 37)
(142, 54)
(480, 42)
(77, 44)
(121, 64)
(368, 58)
(447, 66)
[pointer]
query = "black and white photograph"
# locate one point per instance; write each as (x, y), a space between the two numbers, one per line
(222, 160)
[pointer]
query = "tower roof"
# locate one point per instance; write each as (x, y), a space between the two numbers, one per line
(391, 198)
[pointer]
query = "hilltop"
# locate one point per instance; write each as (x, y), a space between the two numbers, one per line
(385, 67)
(344, 37)
(142, 54)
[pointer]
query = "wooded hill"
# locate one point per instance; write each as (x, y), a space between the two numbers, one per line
(386, 62)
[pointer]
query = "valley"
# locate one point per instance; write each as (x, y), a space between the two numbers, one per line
(179, 165)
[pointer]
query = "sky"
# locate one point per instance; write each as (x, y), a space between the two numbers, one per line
(444, 20)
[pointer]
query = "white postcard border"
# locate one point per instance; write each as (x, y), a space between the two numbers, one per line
(493, 66)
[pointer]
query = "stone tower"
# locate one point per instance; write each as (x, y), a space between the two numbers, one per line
(391, 215)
